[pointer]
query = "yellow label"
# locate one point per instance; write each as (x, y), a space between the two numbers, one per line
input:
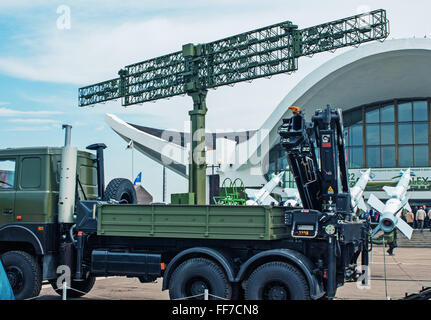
(330, 189)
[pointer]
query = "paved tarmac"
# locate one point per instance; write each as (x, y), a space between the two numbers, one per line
(406, 271)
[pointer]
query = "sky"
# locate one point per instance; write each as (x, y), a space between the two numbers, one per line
(49, 49)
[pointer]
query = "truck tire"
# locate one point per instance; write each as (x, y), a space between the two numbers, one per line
(195, 275)
(276, 281)
(24, 274)
(83, 287)
(121, 190)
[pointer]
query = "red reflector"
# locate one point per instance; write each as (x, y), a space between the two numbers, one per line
(162, 266)
(18, 217)
(387, 223)
(325, 274)
(40, 228)
(79, 233)
(326, 145)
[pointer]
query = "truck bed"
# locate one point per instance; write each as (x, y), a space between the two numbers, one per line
(192, 221)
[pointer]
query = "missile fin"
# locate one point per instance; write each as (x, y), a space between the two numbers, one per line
(376, 230)
(407, 207)
(376, 203)
(404, 228)
(252, 193)
(390, 191)
(362, 205)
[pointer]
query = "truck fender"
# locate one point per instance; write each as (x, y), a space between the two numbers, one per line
(17, 233)
(295, 258)
(198, 252)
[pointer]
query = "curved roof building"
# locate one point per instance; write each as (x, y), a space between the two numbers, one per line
(384, 90)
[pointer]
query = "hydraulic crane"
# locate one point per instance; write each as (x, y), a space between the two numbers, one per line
(322, 181)
(263, 52)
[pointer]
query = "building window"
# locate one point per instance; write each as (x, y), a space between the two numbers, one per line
(373, 157)
(405, 156)
(405, 133)
(388, 157)
(396, 134)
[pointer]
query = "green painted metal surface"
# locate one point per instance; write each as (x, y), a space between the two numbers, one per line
(34, 194)
(231, 193)
(183, 221)
(183, 198)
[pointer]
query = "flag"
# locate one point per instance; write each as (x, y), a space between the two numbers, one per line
(138, 178)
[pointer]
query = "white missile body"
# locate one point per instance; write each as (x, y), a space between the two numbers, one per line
(391, 210)
(291, 197)
(357, 190)
(262, 196)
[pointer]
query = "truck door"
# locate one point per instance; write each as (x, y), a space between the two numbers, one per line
(7, 190)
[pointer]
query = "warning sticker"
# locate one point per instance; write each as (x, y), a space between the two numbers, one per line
(330, 190)
(326, 141)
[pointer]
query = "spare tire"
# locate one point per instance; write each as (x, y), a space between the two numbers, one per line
(121, 190)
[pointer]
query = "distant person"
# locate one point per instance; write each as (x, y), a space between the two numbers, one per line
(374, 216)
(365, 216)
(415, 210)
(392, 244)
(420, 218)
(429, 217)
(410, 218)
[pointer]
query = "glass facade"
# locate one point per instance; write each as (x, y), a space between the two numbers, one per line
(390, 134)
(394, 134)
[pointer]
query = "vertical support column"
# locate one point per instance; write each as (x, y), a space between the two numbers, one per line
(197, 165)
(164, 184)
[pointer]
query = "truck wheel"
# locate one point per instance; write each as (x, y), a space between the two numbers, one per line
(121, 190)
(276, 281)
(24, 274)
(193, 276)
(83, 287)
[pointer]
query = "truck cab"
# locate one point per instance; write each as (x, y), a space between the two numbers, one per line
(29, 193)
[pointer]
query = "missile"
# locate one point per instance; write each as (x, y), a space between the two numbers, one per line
(292, 197)
(391, 210)
(262, 196)
(358, 189)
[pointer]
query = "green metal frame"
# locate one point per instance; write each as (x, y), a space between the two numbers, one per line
(259, 53)
(233, 195)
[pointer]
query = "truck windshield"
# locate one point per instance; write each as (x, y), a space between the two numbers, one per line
(7, 174)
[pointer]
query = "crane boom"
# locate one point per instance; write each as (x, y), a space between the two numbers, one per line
(263, 52)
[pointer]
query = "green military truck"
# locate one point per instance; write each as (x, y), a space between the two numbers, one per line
(55, 212)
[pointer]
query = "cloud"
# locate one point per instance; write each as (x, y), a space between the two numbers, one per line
(7, 112)
(42, 128)
(34, 121)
